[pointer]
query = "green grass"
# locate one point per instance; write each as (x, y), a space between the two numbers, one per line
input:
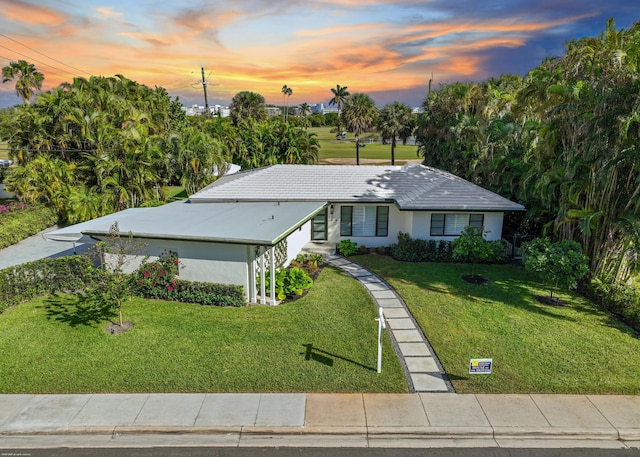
(575, 349)
(176, 193)
(324, 342)
(4, 150)
(330, 148)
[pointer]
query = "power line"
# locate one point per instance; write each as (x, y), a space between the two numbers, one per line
(42, 54)
(36, 60)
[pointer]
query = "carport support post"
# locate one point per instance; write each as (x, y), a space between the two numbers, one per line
(263, 278)
(272, 259)
(253, 271)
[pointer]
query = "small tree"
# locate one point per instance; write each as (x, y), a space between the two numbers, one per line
(471, 247)
(561, 264)
(113, 287)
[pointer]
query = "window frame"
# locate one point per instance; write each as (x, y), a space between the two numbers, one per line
(441, 224)
(381, 224)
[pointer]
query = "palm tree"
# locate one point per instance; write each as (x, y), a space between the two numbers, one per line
(392, 123)
(340, 95)
(305, 109)
(286, 91)
(27, 78)
(359, 113)
(247, 105)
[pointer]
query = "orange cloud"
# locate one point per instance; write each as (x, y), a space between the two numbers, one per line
(29, 13)
(108, 12)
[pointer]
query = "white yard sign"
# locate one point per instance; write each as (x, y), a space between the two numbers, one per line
(382, 324)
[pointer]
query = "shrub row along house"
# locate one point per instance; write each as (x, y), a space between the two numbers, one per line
(250, 223)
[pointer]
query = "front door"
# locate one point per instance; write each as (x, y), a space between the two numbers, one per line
(319, 226)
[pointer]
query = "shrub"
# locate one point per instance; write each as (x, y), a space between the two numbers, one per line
(203, 293)
(619, 299)
(561, 264)
(28, 280)
(289, 282)
(347, 247)
(409, 249)
(309, 262)
(19, 221)
(153, 276)
(157, 279)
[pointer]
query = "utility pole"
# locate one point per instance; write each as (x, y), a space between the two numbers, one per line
(204, 86)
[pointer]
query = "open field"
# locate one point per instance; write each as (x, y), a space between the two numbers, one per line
(334, 151)
(4, 150)
(573, 349)
(324, 342)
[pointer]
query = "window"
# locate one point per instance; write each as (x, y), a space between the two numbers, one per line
(364, 220)
(452, 224)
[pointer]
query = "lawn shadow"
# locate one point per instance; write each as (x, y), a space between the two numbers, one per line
(326, 358)
(77, 310)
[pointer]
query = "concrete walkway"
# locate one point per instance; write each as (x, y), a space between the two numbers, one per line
(423, 370)
(320, 420)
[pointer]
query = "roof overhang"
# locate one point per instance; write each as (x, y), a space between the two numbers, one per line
(254, 223)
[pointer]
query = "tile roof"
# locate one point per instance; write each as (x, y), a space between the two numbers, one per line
(412, 187)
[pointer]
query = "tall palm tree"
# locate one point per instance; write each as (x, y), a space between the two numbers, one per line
(28, 79)
(360, 113)
(286, 92)
(392, 123)
(340, 95)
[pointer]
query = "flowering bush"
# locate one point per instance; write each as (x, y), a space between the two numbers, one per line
(156, 278)
(12, 206)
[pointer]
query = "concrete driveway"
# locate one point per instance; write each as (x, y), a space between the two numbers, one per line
(37, 247)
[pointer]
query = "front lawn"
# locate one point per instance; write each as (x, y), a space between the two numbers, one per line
(324, 342)
(575, 349)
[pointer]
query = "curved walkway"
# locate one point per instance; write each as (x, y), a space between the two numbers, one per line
(422, 368)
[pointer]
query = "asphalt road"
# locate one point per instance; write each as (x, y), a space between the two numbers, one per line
(318, 452)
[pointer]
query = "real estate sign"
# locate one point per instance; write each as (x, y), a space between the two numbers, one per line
(480, 366)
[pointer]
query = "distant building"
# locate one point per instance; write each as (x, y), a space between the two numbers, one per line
(273, 111)
(321, 109)
(216, 110)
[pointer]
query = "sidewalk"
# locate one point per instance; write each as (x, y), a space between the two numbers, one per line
(320, 420)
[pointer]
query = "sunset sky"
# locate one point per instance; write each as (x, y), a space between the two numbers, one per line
(388, 49)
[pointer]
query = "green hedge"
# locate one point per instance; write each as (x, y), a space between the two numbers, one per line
(17, 225)
(409, 249)
(202, 293)
(46, 276)
(620, 299)
(73, 274)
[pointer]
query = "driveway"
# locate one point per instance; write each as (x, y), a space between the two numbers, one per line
(37, 247)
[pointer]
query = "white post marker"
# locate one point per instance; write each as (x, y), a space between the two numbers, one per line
(382, 324)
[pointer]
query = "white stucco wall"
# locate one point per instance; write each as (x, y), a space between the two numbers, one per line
(296, 240)
(201, 261)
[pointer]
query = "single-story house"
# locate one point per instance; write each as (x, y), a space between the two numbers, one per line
(244, 224)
